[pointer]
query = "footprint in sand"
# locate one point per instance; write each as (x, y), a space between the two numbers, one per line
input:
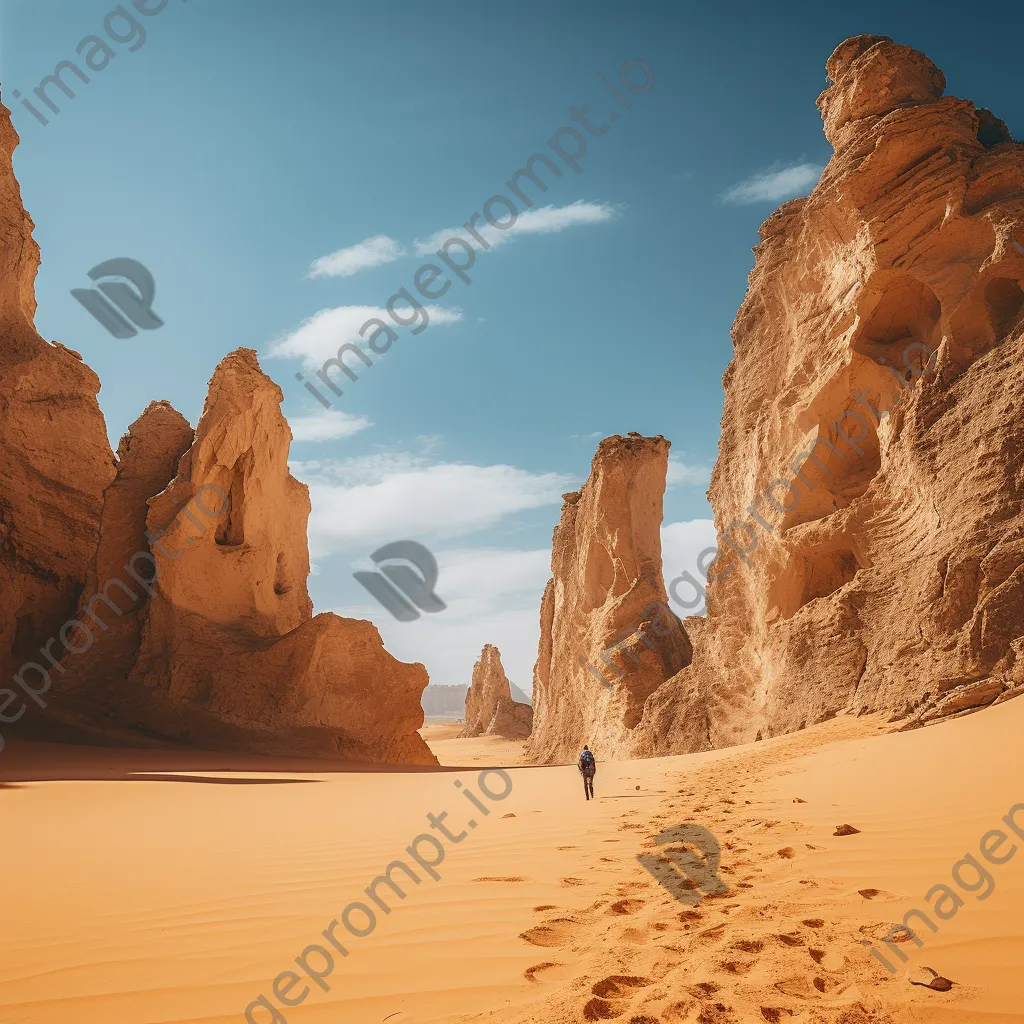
(796, 986)
(619, 986)
(500, 878)
(880, 894)
(625, 907)
(703, 989)
(559, 932)
(790, 940)
(813, 922)
(736, 966)
(530, 974)
(612, 990)
(572, 882)
(546, 906)
(710, 934)
(786, 853)
(748, 945)
(688, 917)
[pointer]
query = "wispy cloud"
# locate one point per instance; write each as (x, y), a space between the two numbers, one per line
(681, 546)
(319, 337)
(327, 425)
(544, 220)
(680, 474)
(371, 252)
(372, 499)
(492, 596)
(774, 184)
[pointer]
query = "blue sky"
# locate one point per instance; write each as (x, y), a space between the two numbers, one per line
(274, 165)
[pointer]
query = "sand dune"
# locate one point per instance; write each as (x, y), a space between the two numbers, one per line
(146, 886)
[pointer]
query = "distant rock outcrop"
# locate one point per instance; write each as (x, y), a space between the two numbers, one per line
(450, 701)
(607, 592)
(867, 493)
(490, 710)
(162, 597)
(55, 460)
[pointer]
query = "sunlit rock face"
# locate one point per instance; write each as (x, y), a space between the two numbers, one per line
(490, 709)
(608, 639)
(867, 492)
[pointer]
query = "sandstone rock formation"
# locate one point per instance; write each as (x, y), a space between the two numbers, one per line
(162, 598)
(55, 460)
(219, 647)
(607, 591)
(450, 701)
(867, 493)
(490, 709)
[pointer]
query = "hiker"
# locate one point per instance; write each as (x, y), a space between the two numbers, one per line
(587, 767)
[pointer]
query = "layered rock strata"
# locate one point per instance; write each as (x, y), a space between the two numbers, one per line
(607, 594)
(490, 709)
(867, 493)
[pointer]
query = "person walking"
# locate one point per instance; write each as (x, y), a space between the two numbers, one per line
(588, 768)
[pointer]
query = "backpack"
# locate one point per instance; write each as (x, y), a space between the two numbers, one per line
(586, 760)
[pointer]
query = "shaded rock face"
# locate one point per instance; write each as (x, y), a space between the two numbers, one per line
(112, 604)
(55, 460)
(162, 596)
(490, 709)
(867, 490)
(607, 594)
(223, 650)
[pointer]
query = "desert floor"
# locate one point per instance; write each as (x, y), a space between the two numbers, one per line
(145, 886)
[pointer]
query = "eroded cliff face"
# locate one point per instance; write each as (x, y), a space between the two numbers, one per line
(608, 639)
(162, 597)
(867, 493)
(221, 649)
(55, 460)
(490, 709)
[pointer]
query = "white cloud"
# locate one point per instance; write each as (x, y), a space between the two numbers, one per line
(774, 184)
(492, 596)
(681, 545)
(327, 425)
(679, 474)
(542, 221)
(371, 252)
(319, 337)
(374, 499)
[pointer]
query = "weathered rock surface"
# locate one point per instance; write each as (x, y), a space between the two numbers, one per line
(606, 591)
(112, 603)
(867, 493)
(166, 593)
(231, 655)
(450, 701)
(55, 459)
(490, 709)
